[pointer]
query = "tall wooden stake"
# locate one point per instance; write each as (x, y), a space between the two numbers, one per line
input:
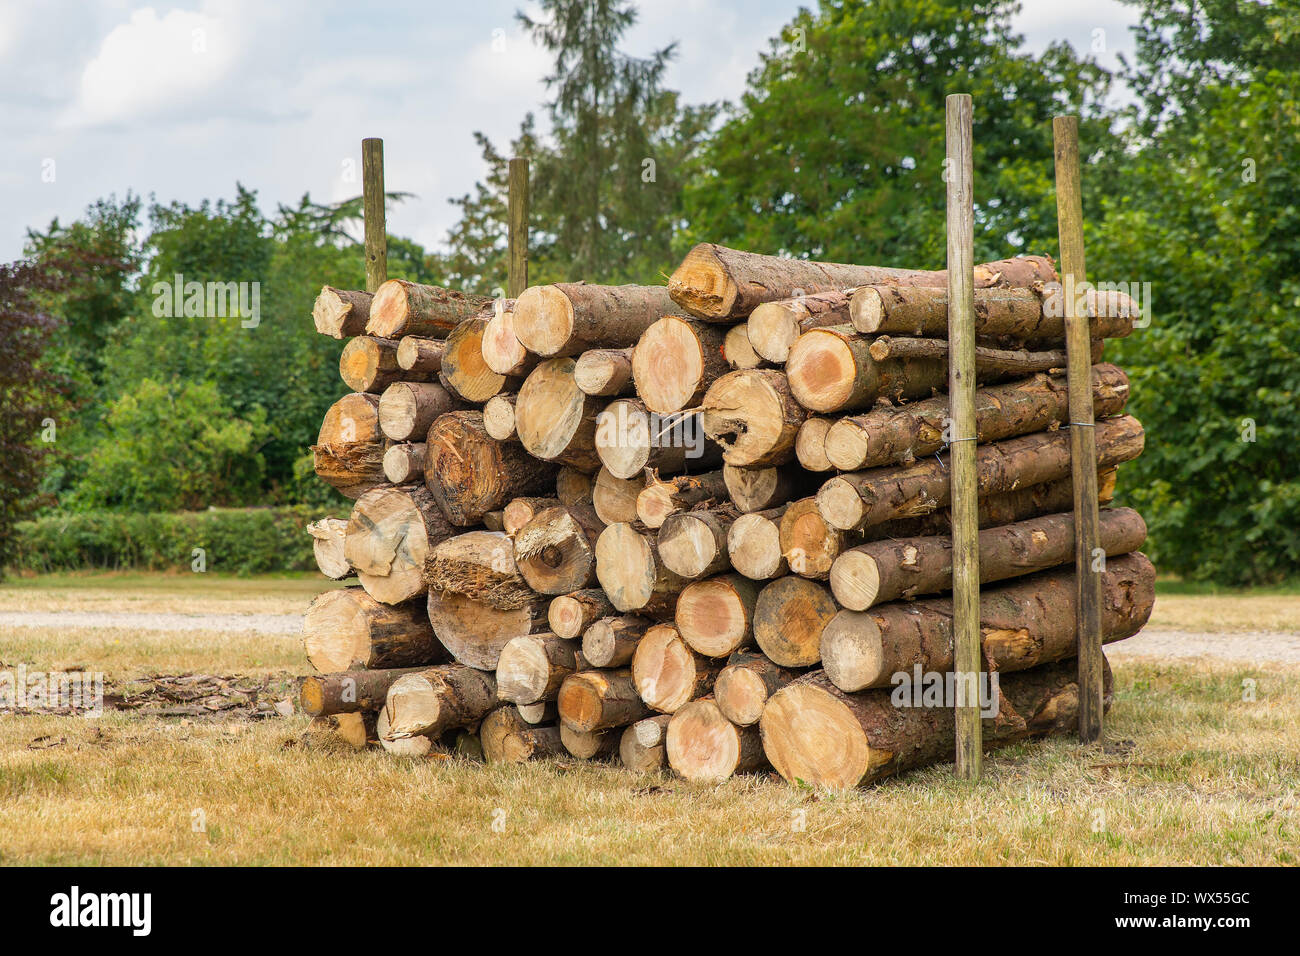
(961, 459)
(518, 230)
(372, 186)
(1083, 445)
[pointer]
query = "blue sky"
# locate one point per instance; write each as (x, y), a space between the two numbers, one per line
(183, 100)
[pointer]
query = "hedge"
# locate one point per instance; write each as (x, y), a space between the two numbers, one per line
(234, 540)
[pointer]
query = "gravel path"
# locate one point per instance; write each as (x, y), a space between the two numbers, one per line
(1154, 643)
(140, 621)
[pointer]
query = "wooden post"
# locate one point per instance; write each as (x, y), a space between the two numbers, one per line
(961, 459)
(1083, 446)
(372, 186)
(518, 228)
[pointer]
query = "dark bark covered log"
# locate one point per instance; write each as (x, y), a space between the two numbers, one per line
(348, 692)
(612, 641)
(571, 614)
(570, 317)
(340, 313)
(641, 747)
(832, 370)
(675, 361)
(347, 629)
(417, 354)
(667, 673)
(532, 668)
(754, 417)
(369, 364)
(408, 409)
(754, 544)
(408, 308)
(404, 462)
(615, 498)
(716, 616)
(774, 326)
(989, 362)
(470, 474)
(555, 420)
(327, 547)
(663, 497)
(1023, 624)
(789, 617)
(440, 698)
(594, 700)
(463, 368)
(388, 537)
(556, 551)
(694, 543)
(745, 684)
(349, 450)
(704, 746)
(604, 372)
(632, 574)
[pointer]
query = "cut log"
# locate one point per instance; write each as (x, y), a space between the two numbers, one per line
(864, 498)
(887, 570)
(532, 743)
(745, 684)
(470, 474)
(704, 746)
(632, 574)
(463, 368)
(789, 617)
(369, 364)
(761, 489)
(494, 520)
(407, 409)
(754, 417)
(404, 463)
(599, 700)
(716, 616)
(808, 544)
(816, 734)
(408, 308)
(774, 326)
(327, 547)
(604, 371)
(532, 668)
(754, 544)
(831, 370)
(589, 746)
(721, 284)
(737, 350)
(886, 435)
(502, 350)
(641, 748)
(555, 420)
(630, 439)
(437, 699)
(612, 641)
(571, 317)
(694, 543)
(542, 712)
(571, 614)
(349, 450)
(675, 361)
(663, 497)
(1023, 624)
(615, 498)
(388, 537)
(810, 444)
(519, 512)
(479, 565)
(348, 692)
(346, 629)
(572, 486)
(499, 417)
(417, 354)
(556, 551)
(341, 313)
(989, 362)
(496, 727)
(667, 673)
(417, 746)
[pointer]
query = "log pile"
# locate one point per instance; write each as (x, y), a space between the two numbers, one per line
(704, 526)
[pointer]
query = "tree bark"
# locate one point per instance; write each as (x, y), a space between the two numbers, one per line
(556, 551)
(754, 417)
(408, 308)
(571, 614)
(716, 616)
(594, 700)
(341, 313)
(437, 699)
(632, 573)
(831, 370)
(417, 354)
(745, 684)
(470, 474)
(369, 364)
(989, 362)
(463, 368)
(614, 498)
(349, 450)
(571, 317)
(675, 361)
(555, 420)
(388, 536)
(694, 543)
(808, 544)
(789, 617)
(864, 498)
(612, 641)
(667, 673)
(774, 326)
(404, 463)
(408, 409)
(346, 629)
(327, 547)
(348, 692)
(704, 746)
(641, 747)
(532, 668)
(604, 372)
(754, 544)
(629, 439)
(663, 497)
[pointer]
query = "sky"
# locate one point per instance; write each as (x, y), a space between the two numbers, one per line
(182, 100)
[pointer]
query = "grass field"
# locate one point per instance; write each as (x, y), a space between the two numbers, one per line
(1191, 772)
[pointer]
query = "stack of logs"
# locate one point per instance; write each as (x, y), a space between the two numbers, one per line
(704, 526)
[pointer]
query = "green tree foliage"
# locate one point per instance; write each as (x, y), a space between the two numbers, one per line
(836, 149)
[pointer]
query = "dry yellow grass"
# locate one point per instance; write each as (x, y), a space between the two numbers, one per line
(178, 593)
(1218, 613)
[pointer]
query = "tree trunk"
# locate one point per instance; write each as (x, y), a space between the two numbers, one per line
(341, 313)
(556, 551)
(808, 544)
(349, 450)
(571, 614)
(470, 474)
(327, 547)
(737, 350)
(499, 417)
(417, 746)
(573, 487)
(629, 439)
(388, 536)
(479, 565)
(599, 700)
(1022, 624)
(641, 748)
(890, 435)
(615, 498)
(774, 326)
(369, 364)
(754, 544)
(555, 420)
(463, 368)
(416, 354)
(532, 743)
(502, 350)
(721, 284)
(864, 498)
(989, 362)
(589, 746)
(831, 370)
(788, 620)
(675, 361)
(754, 417)
(815, 733)
(604, 372)
(761, 489)
(631, 572)
(541, 712)
(519, 512)
(431, 701)
(408, 409)
(810, 444)
(716, 616)
(404, 463)
(667, 673)
(346, 629)
(348, 692)
(663, 497)
(408, 308)
(887, 570)
(612, 641)
(475, 632)
(704, 746)
(745, 684)
(532, 668)
(694, 543)
(571, 317)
